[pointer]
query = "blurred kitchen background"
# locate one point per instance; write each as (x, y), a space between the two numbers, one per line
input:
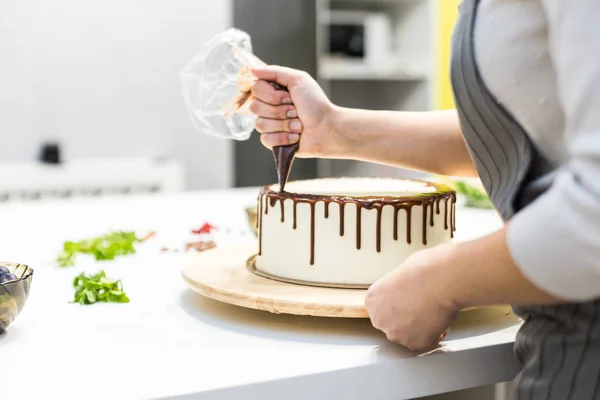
(91, 101)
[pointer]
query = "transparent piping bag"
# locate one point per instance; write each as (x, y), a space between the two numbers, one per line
(217, 86)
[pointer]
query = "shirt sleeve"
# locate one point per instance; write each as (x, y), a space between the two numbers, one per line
(555, 240)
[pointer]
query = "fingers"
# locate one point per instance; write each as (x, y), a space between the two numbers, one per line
(266, 93)
(265, 110)
(278, 139)
(282, 75)
(266, 125)
(416, 344)
(444, 334)
(278, 119)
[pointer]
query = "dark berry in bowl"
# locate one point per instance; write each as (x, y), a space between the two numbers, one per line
(14, 291)
(8, 277)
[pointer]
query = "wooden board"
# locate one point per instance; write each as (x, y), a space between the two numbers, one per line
(221, 274)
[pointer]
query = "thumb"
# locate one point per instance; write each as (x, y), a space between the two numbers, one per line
(273, 73)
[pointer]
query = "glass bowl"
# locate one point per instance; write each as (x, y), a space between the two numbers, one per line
(14, 294)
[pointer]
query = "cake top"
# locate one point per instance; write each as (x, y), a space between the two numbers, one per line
(364, 188)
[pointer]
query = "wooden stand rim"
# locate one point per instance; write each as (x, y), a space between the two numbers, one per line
(251, 266)
(222, 274)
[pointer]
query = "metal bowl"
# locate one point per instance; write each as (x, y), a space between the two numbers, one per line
(252, 214)
(14, 294)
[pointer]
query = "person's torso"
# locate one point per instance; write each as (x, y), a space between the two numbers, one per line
(511, 47)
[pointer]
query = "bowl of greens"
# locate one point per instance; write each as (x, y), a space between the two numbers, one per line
(15, 282)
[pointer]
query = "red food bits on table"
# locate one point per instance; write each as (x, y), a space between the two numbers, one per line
(206, 228)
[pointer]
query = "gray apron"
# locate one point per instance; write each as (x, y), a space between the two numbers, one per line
(559, 346)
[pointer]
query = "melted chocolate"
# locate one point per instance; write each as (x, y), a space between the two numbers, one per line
(453, 218)
(284, 155)
(409, 223)
(427, 202)
(312, 232)
(342, 218)
(446, 216)
(431, 215)
(284, 158)
(378, 230)
(358, 225)
(260, 218)
(295, 207)
(396, 211)
(425, 206)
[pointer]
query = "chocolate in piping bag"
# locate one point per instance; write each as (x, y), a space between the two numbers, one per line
(284, 155)
(284, 158)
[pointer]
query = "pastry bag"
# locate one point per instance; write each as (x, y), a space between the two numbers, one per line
(217, 86)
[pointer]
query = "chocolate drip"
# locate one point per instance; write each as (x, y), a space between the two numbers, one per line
(342, 219)
(446, 214)
(396, 211)
(427, 202)
(425, 206)
(453, 216)
(431, 215)
(378, 229)
(295, 206)
(312, 232)
(408, 223)
(358, 225)
(260, 218)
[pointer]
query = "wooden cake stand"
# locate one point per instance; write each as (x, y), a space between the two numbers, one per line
(222, 274)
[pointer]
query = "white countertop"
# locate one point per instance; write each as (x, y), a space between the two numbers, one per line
(169, 341)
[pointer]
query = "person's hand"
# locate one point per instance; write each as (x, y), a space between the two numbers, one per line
(283, 116)
(411, 305)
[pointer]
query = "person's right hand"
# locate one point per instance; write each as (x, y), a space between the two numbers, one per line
(303, 111)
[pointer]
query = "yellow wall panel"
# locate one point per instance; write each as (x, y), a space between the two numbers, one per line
(446, 14)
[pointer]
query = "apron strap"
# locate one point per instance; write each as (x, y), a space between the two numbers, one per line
(499, 146)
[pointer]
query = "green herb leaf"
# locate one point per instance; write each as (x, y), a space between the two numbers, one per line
(475, 197)
(90, 289)
(106, 247)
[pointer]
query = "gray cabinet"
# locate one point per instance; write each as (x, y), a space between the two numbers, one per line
(284, 33)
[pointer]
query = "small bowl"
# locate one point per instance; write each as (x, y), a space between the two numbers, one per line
(14, 294)
(252, 214)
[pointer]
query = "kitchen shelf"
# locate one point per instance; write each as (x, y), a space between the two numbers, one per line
(403, 80)
(342, 69)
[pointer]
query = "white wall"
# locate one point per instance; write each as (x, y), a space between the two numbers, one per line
(101, 76)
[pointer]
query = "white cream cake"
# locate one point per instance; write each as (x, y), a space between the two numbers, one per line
(349, 231)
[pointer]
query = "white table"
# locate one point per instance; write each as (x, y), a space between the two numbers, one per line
(171, 342)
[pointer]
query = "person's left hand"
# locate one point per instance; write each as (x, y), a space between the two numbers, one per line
(412, 304)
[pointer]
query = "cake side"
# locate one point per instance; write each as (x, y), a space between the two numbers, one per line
(350, 239)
